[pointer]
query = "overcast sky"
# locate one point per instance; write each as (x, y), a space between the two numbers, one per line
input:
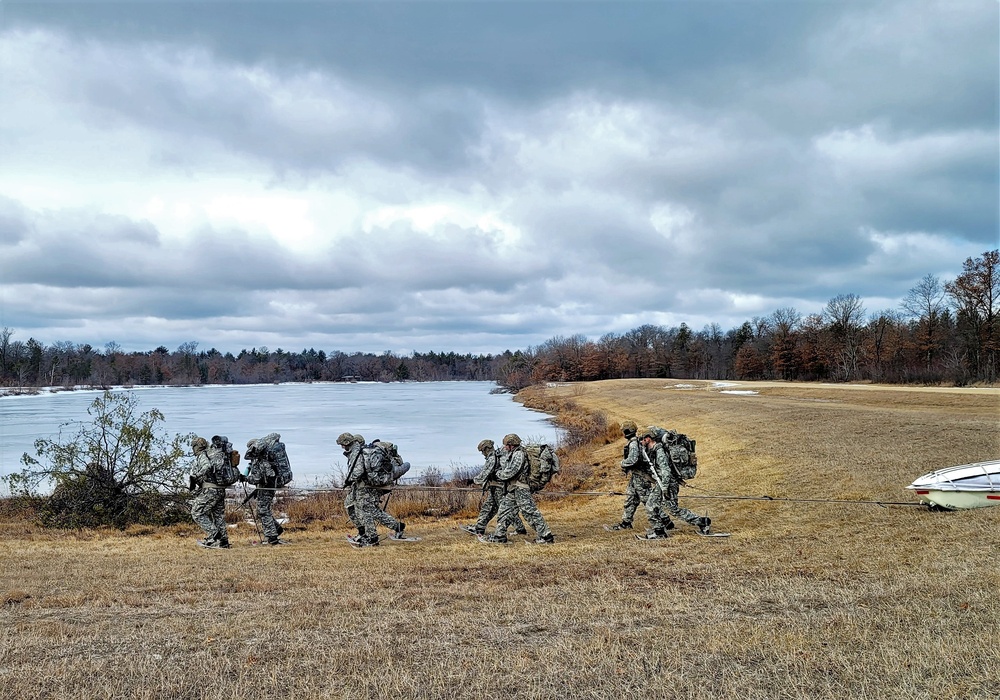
(482, 176)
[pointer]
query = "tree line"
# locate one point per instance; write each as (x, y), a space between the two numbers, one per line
(942, 331)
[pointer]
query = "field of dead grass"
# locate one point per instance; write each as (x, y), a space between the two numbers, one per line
(805, 600)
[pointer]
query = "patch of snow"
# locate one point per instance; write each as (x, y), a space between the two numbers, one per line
(742, 392)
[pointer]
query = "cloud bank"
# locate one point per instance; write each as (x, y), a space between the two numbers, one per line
(482, 176)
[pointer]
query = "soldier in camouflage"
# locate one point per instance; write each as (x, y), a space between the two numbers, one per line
(669, 484)
(640, 483)
(353, 454)
(512, 472)
(208, 507)
(362, 500)
(262, 474)
(493, 491)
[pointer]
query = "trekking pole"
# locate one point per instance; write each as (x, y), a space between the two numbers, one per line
(253, 516)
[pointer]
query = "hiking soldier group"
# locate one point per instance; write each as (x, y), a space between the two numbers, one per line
(371, 471)
(216, 468)
(654, 482)
(512, 472)
(493, 491)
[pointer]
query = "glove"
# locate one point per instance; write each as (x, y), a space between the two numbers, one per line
(192, 483)
(469, 482)
(242, 478)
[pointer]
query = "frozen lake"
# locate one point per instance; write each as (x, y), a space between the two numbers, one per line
(435, 424)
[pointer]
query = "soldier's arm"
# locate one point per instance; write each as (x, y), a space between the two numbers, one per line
(201, 466)
(513, 466)
(634, 458)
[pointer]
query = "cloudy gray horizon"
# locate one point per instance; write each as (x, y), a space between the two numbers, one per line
(482, 176)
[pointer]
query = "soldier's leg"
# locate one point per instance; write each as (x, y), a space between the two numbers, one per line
(265, 500)
(506, 514)
(519, 527)
(529, 509)
(632, 499)
(381, 516)
(367, 506)
(201, 512)
(351, 506)
(670, 500)
(490, 506)
(219, 516)
(656, 512)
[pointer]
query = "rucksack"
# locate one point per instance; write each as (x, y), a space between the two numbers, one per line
(278, 458)
(680, 448)
(543, 464)
(220, 454)
(377, 465)
(399, 467)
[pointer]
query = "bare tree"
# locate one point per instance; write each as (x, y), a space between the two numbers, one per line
(845, 313)
(925, 303)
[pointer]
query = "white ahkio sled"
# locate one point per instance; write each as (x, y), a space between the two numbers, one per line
(957, 488)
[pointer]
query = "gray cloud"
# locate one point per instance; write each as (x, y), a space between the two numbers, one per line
(482, 176)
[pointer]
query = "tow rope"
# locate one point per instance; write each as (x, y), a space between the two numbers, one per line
(705, 495)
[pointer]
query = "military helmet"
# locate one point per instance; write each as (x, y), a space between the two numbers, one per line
(484, 445)
(359, 439)
(645, 433)
(345, 439)
(511, 440)
(629, 427)
(199, 444)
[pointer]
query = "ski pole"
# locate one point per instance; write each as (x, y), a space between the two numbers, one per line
(253, 516)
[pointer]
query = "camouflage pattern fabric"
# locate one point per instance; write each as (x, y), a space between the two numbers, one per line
(265, 500)
(637, 491)
(355, 469)
(518, 499)
(492, 497)
(208, 509)
(351, 506)
(513, 464)
(656, 512)
(368, 511)
(202, 465)
(641, 484)
(666, 497)
(634, 457)
(670, 500)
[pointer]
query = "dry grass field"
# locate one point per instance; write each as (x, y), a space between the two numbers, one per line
(805, 600)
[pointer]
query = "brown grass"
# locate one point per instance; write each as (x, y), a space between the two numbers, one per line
(803, 601)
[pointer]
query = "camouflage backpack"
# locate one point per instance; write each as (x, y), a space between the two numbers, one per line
(543, 464)
(268, 459)
(377, 465)
(278, 458)
(224, 461)
(399, 467)
(680, 448)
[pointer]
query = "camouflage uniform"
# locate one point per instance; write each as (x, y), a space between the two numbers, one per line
(640, 483)
(208, 508)
(493, 491)
(513, 473)
(362, 500)
(352, 450)
(671, 484)
(262, 475)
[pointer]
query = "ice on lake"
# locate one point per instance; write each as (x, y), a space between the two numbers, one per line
(435, 424)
